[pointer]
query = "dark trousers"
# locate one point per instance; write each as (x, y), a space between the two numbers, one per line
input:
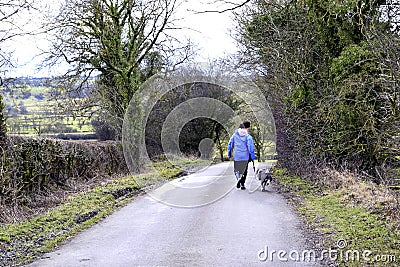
(240, 169)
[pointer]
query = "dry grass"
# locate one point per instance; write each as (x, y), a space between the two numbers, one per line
(343, 206)
(378, 199)
(41, 202)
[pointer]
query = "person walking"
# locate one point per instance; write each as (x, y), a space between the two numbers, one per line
(242, 144)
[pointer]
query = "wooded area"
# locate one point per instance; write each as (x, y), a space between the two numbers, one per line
(329, 71)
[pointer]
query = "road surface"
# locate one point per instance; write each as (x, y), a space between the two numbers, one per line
(198, 220)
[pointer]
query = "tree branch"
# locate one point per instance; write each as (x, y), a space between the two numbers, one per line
(236, 6)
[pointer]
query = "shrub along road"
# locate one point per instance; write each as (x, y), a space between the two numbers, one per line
(228, 227)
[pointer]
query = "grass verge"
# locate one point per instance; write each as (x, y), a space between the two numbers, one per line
(350, 233)
(21, 243)
(175, 166)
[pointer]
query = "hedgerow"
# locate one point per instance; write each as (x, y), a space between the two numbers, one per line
(35, 165)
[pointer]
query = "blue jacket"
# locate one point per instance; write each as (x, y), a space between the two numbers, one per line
(243, 145)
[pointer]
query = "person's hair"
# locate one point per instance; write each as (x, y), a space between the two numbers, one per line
(241, 126)
(246, 124)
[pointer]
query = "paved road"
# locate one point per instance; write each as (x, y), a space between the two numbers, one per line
(199, 220)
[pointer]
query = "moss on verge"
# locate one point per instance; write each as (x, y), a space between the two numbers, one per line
(356, 236)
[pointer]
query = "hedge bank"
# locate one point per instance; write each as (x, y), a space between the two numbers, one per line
(35, 165)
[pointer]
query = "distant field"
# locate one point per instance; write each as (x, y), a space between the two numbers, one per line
(31, 111)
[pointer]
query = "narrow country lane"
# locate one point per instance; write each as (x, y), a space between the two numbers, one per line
(217, 227)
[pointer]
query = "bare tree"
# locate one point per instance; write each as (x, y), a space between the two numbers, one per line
(9, 29)
(121, 42)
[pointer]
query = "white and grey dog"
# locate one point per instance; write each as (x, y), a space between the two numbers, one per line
(264, 176)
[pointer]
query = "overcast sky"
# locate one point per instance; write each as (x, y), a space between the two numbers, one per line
(210, 31)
